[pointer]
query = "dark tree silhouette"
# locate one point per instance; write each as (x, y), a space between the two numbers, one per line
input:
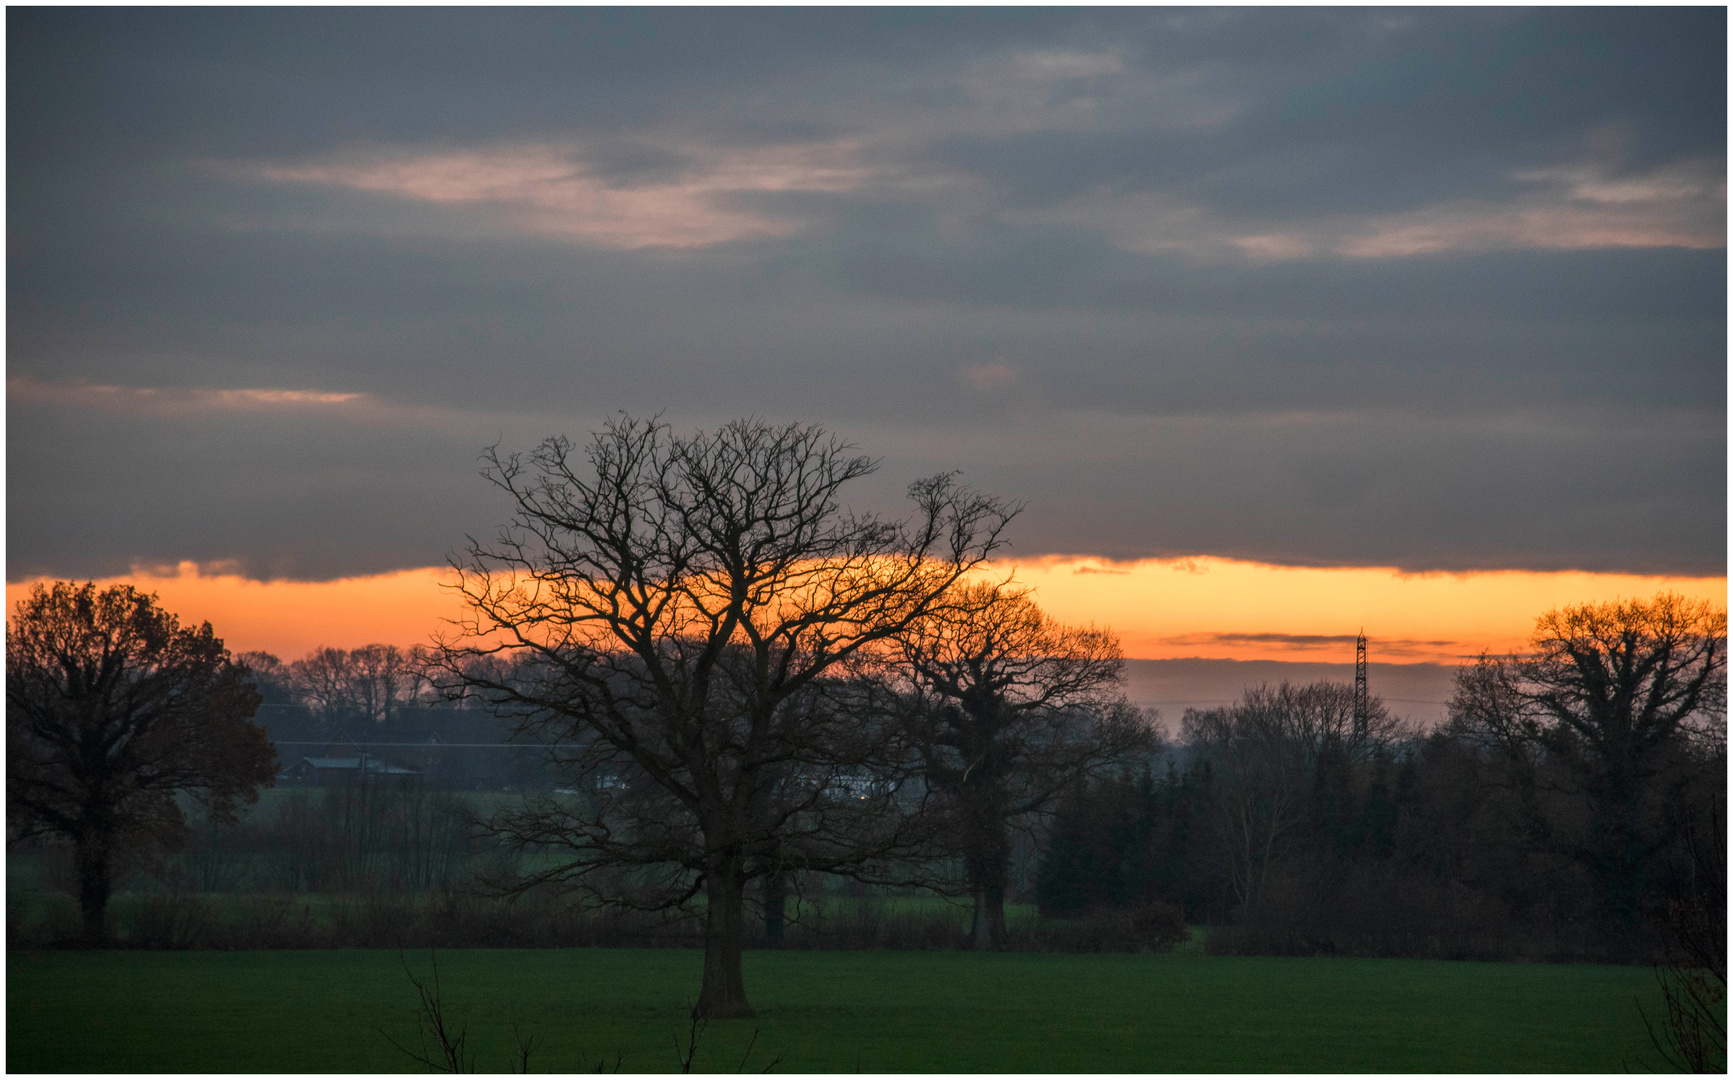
(271, 677)
(1015, 709)
(111, 709)
(1271, 754)
(693, 610)
(1591, 714)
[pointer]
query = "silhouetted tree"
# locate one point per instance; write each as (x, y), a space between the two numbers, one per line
(270, 676)
(1591, 717)
(1124, 843)
(1015, 708)
(367, 684)
(683, 606)
(1276, 756)
(323, 680)
(383, 678)
(112, 708)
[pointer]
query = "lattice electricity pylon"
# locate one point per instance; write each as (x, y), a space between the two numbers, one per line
(1362, 703)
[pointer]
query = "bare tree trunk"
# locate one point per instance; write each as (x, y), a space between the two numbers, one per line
(987, 928)
(989, 867)
(775, 907)
(724, 992)
(94, 888)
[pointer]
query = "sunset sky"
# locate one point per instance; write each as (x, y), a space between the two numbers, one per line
(1280, 322)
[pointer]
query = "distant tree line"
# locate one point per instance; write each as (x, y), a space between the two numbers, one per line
(369, 684)
(1574, 806)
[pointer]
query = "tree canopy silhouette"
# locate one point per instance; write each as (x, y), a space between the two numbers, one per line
(696, 610)
(1014, 709)
(1589, 717)
(112, 708)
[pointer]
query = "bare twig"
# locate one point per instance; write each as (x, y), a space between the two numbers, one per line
(1693, 1039)
(524, 1046)
(774, 1062)
(693, 1036)
(750, 1043)
(454, 1053)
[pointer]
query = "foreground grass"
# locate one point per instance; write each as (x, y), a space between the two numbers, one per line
(329, 1011)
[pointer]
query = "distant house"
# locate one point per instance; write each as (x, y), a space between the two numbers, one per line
(321, 771)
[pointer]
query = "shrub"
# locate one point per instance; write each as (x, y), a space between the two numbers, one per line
(1151, 927)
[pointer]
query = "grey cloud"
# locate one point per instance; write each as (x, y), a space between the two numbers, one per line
(1444, 336)
(1315, 643)
(283, 81)
(1356, 122)
(310, 496)
(208, 276)
(1529, 490)
(276, 496)
(1291, 639)
(1511, 408)
(899, 251)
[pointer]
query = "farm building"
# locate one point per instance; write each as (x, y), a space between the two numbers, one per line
(323, 771)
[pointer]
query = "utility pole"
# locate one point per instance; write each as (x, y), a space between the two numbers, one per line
(1362, 703)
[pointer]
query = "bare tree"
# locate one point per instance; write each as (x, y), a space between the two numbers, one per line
(369, 683)
(688, 608)
(112, 709)
(1013, 708)
(1267, 754)
(1591, 715)
(324, 681)
(382, 680)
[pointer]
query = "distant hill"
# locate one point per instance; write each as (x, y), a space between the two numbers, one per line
(1418, 691)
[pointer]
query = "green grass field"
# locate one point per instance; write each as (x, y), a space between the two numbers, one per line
(323, 1011)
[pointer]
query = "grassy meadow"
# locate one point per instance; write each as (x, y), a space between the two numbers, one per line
(332, 1010)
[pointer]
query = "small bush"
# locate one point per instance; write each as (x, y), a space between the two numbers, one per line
(1152, 927)
(868, 924)
(175, 919)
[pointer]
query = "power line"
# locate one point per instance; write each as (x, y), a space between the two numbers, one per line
(434, 745)
(1228, 700)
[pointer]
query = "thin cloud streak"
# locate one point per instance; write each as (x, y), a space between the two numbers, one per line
(169, 400)
(1580, 207)
(549, 190)
(1432, 650)
(195, 402)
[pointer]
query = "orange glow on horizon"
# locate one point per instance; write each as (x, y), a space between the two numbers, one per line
(1161, 609)
(292, 618)
(1228, 609)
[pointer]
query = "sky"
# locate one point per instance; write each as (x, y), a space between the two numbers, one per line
(1411, 321)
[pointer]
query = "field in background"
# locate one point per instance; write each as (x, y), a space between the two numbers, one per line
(330, 1011)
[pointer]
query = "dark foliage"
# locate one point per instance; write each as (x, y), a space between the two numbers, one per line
(1121, 844)
(112, 710)
(1010, 709)
(1573, 810)
(1596, 731)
